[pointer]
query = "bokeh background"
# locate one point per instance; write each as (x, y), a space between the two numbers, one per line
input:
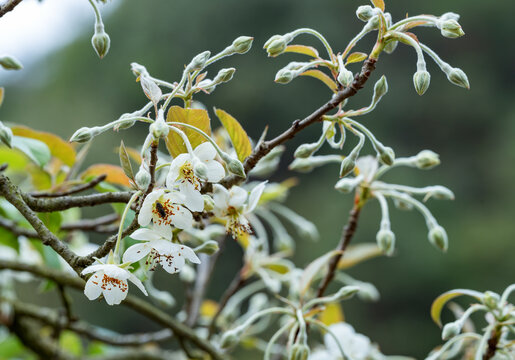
(473, 131)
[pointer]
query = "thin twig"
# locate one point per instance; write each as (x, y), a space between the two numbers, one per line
(74, 190)
(17, 230)
(493, 341)
(9, 6)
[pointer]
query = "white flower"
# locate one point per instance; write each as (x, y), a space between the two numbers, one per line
(356, 346)
(164, 209)
(186, 169)
(160, 250)
(367, 167)
(233, 204)
(109, 280)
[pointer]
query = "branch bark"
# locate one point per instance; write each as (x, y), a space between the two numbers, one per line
(9, 6)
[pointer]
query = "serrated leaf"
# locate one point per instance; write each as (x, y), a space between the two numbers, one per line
(317, 74)
(310, 272)
(239, 138)
(115, 174)
(125, 162)
(356, 254)
(356, 57)
(302, 49)
(35, 150)
(440, 301)
(332, 314)
(378, 4)
(195, 117)
(58, 147)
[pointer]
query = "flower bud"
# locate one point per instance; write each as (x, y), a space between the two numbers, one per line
(224, 75)
(233, 165)
(458, 77)
(438, 237)
(368, 292)
(380, 88)
(199, 61)
(345, 293)
(209, 203)
(284, 76)
(345, 77)
(450, 330)
(85, 134)
(209, 247)
(305, 150)
(427, 159)
(450, 16)
(346, 185)
(386, 241)
(158, 128)
(347, 166)
(200, 168)
(6, 134)
(386, 155)
(450, 28)
(440, 192)
(142, 177)
(299, 352)
(421, 81)
(100, 41)
(230, 338)
(242, 44)
(187, 274)
(10, 63)
(276, 45)
(138, 69)
(491, 300)
(365, 12)
(390, 47)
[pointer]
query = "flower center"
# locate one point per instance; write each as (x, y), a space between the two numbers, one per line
(162, 211)
(108, 283)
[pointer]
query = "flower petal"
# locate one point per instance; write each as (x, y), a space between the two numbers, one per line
(205, 151)
(254, 196)
(163, 247)
(215, 171)
(136, 252)
(93, 268)
(237, 196)
(92, 290)
(220, 197)
(186, 252)
(145, 213)
(174, 171)
(114, 271)
(145, 235)
(138, 283)
(182, 218)
(115, 292)
(193, 199)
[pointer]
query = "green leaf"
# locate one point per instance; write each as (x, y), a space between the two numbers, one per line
(302, 49)
(313, 269)
(13, 158)
(35, 150)
(356, 57)
(195, 117)
(317, 74)
(7, 238)
(58, 147)
(239, 137)
(52, 220)
(70, 342)
(124, 160)
(440, 301)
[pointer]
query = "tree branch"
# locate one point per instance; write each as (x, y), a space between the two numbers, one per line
(266, 146)
(8, 6)
(17, 230)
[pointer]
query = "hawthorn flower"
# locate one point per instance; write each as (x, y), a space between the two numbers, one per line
(160, 250)
(187, 170)
(166, 208)
(110, 280)
(233, 204)
(355, 346)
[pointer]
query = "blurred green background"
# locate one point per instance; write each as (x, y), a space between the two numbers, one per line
(473, 131)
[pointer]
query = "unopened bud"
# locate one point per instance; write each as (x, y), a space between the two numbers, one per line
(438, 237)
(6, 134)
(242, 44)
(209, 203)
(450, 28)
(187, 274)
(440, 192)
(390, 47)
(380, 88)
(346, 185)
(299, 352)
(10, 63)
(421, 80)
(450, 16)
(200, 168)
(386, 155)
(450, 330)
(347, 166)
(199, 61)
(458, 77)
(386, 241)
(305, 150)
(345, 77)
(345, 293)
(427, 159)
(284, 76)
(100, 41)
(85, 134)
(158, 128)
(138, 70)
(365, 12)
(276, 45)
(224, 75)
(142, 177)
(491, 300)
(209, 247)
(233, 165)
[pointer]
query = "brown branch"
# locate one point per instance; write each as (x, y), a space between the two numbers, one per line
(152, 167)
(266, 146)
(347, 234)
(493, 341)
(9, 6)
(73, 190)
(17, 230)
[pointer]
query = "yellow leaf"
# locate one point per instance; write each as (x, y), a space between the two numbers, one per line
(378, 4)
(356, 254)
(332, 314)
(239, 137)
(208, 308)
(356, 57)
(195, 117)
(317, 74)
(134, 155)
(115, 174)
(302, 49)
(2, 92)
(59, 148)
(440, 301)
